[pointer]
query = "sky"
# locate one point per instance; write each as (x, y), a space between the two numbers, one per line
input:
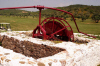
(47, 3)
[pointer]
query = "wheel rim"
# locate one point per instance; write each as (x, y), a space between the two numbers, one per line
(52, 27)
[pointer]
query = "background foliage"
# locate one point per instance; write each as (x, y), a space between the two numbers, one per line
(87, 18)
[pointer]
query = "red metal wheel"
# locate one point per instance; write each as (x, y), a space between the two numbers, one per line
(53, 28)
(56, 31)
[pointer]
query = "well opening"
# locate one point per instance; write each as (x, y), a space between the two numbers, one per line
(28, 48)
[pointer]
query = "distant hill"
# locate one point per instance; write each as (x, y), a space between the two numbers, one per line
(12, 12)
(77, 10)
(77, 7)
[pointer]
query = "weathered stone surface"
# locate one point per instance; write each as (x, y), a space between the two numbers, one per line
(1, 37)
(41, 64)
(1, 54)
(7, 60)
(27, 33)
(63, 62)
(3, 57)
(29, 49)
(50, 64)
(22, 62)
(79, 41)
(6, 53)
(30, 62)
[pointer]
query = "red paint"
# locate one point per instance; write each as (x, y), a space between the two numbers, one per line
(50, 28)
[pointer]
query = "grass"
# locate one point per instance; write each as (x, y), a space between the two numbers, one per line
(21, 24)
(0, 44)
(98, 65)
(98, 37)
(56, 42)
(88, 26)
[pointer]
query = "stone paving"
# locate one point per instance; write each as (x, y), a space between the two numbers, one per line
(84, 54)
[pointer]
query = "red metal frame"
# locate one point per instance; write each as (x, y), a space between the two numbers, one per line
(40, 28)
(60, 23)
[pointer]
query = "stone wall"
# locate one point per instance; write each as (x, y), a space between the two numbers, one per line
(1, 38)
(29, 48)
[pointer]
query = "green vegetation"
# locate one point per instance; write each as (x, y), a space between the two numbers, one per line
(98, 37)
(20, 24)
(98, 65)
(79, 11)
(56, 42)
(87, 27)
(0, 44)
(87, 18)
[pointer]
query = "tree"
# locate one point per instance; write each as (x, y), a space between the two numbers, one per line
(96, 17)
(83, 17)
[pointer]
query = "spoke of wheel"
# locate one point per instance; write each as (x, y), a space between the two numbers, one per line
(56, 29)
(53, 26)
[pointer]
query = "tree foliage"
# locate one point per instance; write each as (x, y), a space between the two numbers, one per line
(96, 17)
(79, 11)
